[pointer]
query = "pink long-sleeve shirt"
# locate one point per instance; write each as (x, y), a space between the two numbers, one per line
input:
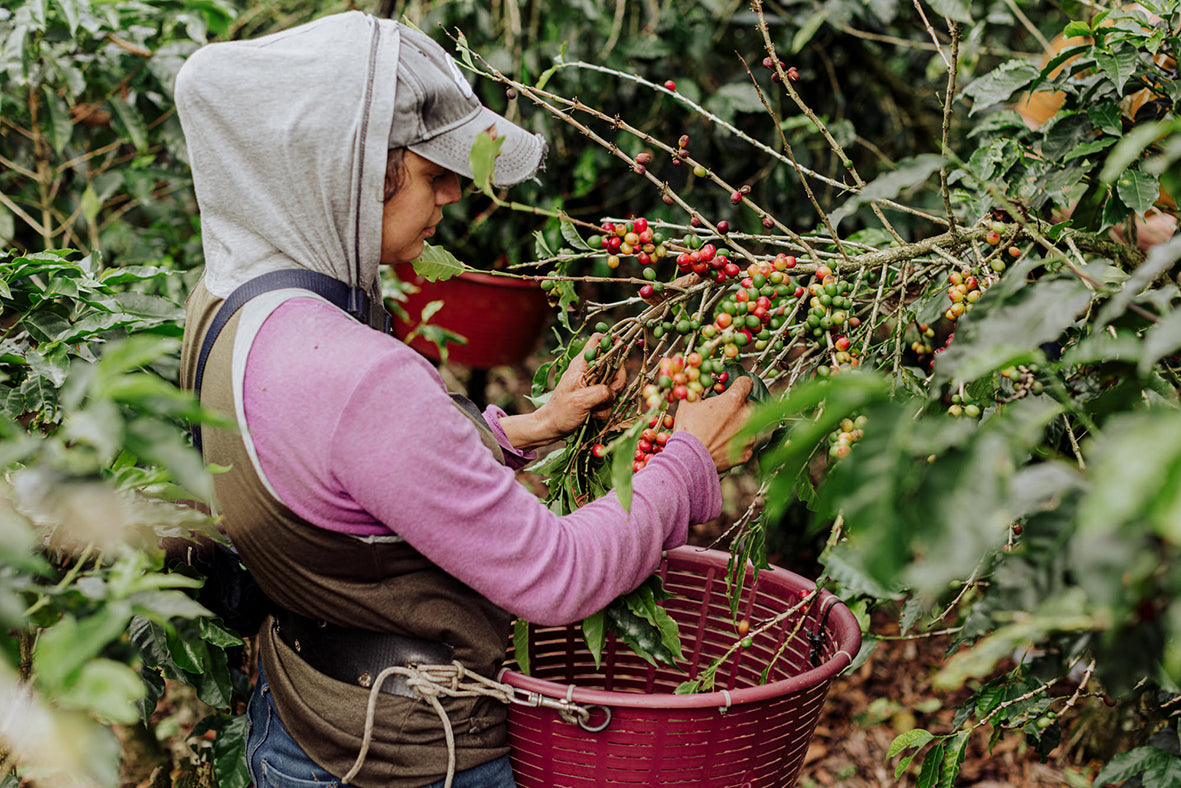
(356, 433)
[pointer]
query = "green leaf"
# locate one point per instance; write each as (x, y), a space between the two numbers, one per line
(107, 688)
(1138, 190)
(521, 644)
(623, 452)
(482, 160)
(217, 635)
(436, 264)
(1139, 761)
(91, 205)
(1106, 117)
(70, 12)
(1130, 465)
(571, 236)
(61, 127)
(1162, 339)
(1118, 65)
(63, 649)
(954, 751)
(1159, 260)
(932, 765)
(229, 753)
(999, 85)
(807, 30)
(1089, 147)
(910, 172)
(131, 123)
(1077, 28)
(594, 632)
(100, 425)
(955, 10)
(916, 737)
(1001, 325)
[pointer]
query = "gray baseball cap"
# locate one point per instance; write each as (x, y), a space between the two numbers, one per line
(437, 115)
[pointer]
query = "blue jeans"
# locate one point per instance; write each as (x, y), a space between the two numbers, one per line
(276, 761)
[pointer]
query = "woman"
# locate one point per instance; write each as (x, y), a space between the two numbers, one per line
(384, 521)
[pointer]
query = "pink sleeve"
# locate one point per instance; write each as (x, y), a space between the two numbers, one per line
(513, 457)
(431, 480)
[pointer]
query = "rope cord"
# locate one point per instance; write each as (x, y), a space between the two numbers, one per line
(429, 682)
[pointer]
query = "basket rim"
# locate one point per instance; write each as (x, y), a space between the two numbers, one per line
(841, 622)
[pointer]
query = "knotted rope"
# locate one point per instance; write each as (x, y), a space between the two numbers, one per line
(453, 681)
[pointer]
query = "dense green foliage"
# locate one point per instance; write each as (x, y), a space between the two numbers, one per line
(1010, 472)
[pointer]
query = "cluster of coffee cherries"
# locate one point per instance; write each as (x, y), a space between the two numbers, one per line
(963, 290)
(627, 239)
(652, 440)
(841, 440)
(922, 346)
(962, 405)
(993, 238)
(1024, 381)
(755, 309)
(684, 377)
(829, 311)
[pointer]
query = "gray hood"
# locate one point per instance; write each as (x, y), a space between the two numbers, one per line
(287, 139)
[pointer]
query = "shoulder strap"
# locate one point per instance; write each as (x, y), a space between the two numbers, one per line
(350, 299)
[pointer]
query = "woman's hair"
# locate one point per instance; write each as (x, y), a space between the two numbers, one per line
(395, 173)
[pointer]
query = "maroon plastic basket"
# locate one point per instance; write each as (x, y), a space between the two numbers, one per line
(745, 733)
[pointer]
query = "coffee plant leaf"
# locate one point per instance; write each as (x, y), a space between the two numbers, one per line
(594, 632)
(913, 738)
(623, 450)
(108, 689)
(1138, 190)
(1162, 765)
(436, 264)
(1162, 339)
(1127, 475)
(64, 648)
(482, 161)
(906, 175)
(1026, 320)
(521, 645)
(955, 10)
(808, 30)
(999, 85)
(1160, 259)
(932, 764)
(1119, 64)
(571, 236)
(229, 753)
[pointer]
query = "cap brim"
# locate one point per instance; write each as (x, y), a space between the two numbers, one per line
(520, 156)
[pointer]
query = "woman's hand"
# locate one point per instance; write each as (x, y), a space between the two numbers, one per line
(571, 401)
(715, 421)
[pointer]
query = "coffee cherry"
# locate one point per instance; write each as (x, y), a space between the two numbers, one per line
(670, 85)
(599, 450)
(723, 227)
(743, 628)
(643, 158)
(992, 237)
(683, 141)
(735, 198)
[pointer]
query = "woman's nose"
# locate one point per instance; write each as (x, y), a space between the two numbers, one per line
(448, 191)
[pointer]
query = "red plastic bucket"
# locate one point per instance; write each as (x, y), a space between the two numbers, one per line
(501, 317)
(745, 733)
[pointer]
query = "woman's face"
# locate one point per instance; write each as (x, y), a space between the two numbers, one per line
(410, 216)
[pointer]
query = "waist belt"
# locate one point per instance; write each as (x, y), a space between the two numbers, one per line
(356, 656)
